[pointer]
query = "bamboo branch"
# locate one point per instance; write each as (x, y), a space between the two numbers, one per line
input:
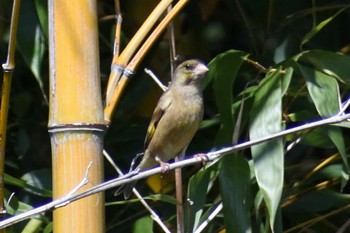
(8, 68)
(118, 28)
(126, 73)
(119, 62)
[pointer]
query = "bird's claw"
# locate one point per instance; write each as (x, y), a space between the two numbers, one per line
(164, 166)
(201, 157)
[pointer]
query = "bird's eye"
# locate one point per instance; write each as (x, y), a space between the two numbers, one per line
(189, 67)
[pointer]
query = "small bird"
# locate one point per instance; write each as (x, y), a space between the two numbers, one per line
(175, 119)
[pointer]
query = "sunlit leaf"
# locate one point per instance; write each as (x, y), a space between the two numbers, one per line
(323, 90)
(331, 63)
(268, 157)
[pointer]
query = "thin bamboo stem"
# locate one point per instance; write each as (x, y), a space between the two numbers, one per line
(118, 28)
(133, 64)
(8, 68)
(122, 60)
(178, 171)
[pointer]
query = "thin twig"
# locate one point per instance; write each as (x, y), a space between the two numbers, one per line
(155, 78)
(205, 223)
(82, 183)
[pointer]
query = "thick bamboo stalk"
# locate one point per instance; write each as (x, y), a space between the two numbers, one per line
(76, 118)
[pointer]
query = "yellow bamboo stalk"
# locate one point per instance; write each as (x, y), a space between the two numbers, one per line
(8, 68)
(76, 118)
(132, 65)
(119, 62)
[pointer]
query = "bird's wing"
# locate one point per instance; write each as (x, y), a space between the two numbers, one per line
(162, 106)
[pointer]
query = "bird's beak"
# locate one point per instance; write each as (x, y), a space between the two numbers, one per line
(201, 69)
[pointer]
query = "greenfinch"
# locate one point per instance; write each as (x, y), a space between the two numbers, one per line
(175, 119)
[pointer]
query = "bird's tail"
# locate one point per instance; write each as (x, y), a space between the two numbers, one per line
(126, 189)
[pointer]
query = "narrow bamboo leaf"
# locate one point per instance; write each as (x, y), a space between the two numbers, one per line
(48, 228)
(317, 201)
(198, 188)
(335, 134)
(223, 70)
(38, 182)
(34, 225)
(323, 90)
(266, 118)
(236, 193)
(143, 225)
(286, 79)
(330, 172)
(41, 9)
(30, 41)
(320, 26)
(334, 64)
(23, 184)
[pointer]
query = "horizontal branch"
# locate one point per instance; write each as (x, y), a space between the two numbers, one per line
(211, 156)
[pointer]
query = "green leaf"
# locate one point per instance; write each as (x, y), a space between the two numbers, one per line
(331, 63)
(32, 226)
(38, 182)
(236, 193)
(335, 134)
(223, 70)
(323, 90)
(320, 26)
(198, 188)
(31, 42)
(268, 157)
(48, 228)
(28, 187)
(317, 137)
(143, 225)
(318, 201)
(41, 9)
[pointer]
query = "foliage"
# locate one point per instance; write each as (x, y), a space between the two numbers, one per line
(294, 184)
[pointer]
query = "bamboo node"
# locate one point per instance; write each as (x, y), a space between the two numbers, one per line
(117, 68)
(128, 73)
(8, 68)
(96, 127)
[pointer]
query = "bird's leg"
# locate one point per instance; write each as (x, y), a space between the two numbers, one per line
(165, 166)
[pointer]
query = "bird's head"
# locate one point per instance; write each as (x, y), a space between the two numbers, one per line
(190, 72)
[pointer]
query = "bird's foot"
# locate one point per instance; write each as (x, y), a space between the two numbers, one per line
(164, 166)
(201, 157)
